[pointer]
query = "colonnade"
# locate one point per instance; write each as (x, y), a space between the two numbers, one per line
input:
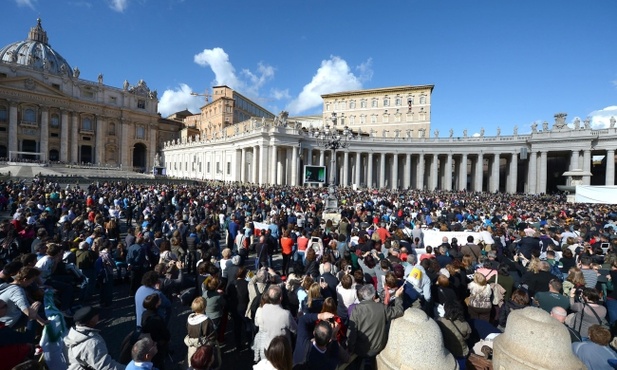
(519, 163)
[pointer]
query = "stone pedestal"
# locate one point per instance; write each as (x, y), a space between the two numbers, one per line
(415, 343)
(534, 341)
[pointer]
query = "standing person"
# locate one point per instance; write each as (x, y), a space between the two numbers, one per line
(85, 347)
(480, 304)
(278, 355)
(471, 249)
(274, 320)
(152, 323)
(262, 251)
(287, 244)
(138, 263)
(238, 296)
(14, 296)
(142, 354)
(200, 330)
(150, 284)
(104, 267)
(367, 332)
(455, 331)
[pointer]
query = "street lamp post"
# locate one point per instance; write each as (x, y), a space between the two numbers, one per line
(334, 140)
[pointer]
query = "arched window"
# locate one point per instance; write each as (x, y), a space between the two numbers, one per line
(398, 102)
(386, 102)
(374, 103)
(352, 104)
(423, 100)
(54, 121)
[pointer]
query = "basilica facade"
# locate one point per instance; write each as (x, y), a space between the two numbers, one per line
(49, 113)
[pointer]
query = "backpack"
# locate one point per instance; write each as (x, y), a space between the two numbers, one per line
(254, 305)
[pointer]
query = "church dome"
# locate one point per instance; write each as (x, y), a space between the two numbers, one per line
(35, 52)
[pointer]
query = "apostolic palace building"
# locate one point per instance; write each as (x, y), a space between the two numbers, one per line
(48, 113)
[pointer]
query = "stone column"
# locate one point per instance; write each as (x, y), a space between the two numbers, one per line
(100, 141)
(477, 183)
(255, 164)
(610, 167)
(542, 173)
(494, 173)
(242, 164)
(407, 170)
(420, 172)
(382, 170)
(44, 138)
(574, 160)
(309, 157)
(587, 166)
(282, 165)
(322, 157)
(513, 174)
(13, 129)
(75, 139)
(532, 173)
(369, 170)
(124, 146)
(448, 173)
(152, 150)
(263, 164)
(64, 137)
(293, 171)
(462, 177)
(358, 169)
(345, 168)
(273, 164)
(394, 172)
(434, 174)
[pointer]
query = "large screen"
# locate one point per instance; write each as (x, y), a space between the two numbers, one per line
(314, 174)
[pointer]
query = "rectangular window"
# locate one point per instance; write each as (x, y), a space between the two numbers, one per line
(374, 103)
(113, 100)
(218, 167)
(2, 129)
(229, 168)
(363, 104)
(141, 104)
(362, 119)
(208, 167)
(85, 138)
(56, 86)
(55, 134)
(352, 120)
(373, 119)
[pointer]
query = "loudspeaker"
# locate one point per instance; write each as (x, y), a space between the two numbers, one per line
(523, 153)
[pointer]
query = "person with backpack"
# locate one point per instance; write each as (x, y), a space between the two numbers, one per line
(138, 263)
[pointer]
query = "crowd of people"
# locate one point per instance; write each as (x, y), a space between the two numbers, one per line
(295, 288)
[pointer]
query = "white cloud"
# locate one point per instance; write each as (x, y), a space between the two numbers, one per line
(179, 99)
(333, 75)
(247, 83)
(279, 94)
(601, 118)
(119, 5)
(26, 3)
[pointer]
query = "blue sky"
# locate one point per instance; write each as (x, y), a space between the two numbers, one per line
(493, 63)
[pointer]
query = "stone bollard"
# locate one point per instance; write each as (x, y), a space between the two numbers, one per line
(415, 343)
(534, 340)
